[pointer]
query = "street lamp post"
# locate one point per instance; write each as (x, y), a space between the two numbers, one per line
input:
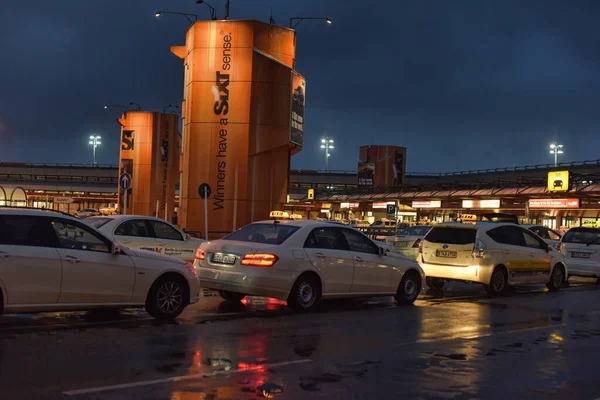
(327, 144)
(213, 14)
(135, 106)
(300, 19)
(556, 149)
(187, 15)
(95, 142)
(166, 108)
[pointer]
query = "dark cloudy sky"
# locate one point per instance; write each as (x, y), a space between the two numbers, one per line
(463, 84)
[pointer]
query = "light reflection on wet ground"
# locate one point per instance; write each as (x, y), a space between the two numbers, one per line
(459, 344)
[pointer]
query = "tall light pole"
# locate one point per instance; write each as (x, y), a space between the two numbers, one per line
(95, 142)
(556, 149)
(327, 144)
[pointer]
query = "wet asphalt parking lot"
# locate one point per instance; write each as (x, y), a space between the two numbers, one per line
(457, 344)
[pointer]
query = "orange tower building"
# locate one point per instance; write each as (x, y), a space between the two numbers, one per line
(150, 147)
(243, 115)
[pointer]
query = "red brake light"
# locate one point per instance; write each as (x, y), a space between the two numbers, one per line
(259, 260)
(199, 254)
(420, 246)
(558, 246)
(417, 244)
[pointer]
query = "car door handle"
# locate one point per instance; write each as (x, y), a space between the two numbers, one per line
(320, 255)
(72, 259)
(357, 258)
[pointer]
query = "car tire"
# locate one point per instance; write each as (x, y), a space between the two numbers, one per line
(498, 282)
(167, 297)
(305, 294)
(557, 278)
(231, 296)
(409, 288)
(435, 283)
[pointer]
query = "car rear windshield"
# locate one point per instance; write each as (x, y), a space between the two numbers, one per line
(263, 233)
(581, 235)
(451, 235)
(98, 222)
(418, 230)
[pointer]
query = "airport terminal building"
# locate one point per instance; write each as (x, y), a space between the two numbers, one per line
(563, 196)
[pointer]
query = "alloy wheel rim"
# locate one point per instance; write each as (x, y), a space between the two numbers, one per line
(558, 277)
(498, 282)
(169, 297)
(306, 294)
(410, 288)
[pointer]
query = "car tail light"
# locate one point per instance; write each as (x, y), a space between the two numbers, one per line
(558, 246)
(417, 244)
(479, 249)
(259, 260)
(191, 268)
(420, 246)
(199, 254)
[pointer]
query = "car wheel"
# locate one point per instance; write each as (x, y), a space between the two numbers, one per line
(498, 282)
(167, 297)
(306, 294)
(557, 278)
(231, 296)
(409, 288)
(434, 283)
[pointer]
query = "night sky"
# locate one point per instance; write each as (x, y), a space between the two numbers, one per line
(462, 84)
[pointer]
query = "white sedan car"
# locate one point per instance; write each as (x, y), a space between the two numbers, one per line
(303, 262)
(406, 242)
(54, 262)
(581, 248)
(147, 233)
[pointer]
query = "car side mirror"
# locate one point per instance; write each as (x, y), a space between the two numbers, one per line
(548, 248)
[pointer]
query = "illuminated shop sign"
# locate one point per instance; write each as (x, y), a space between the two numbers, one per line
(382, 205)
(554, 203)
(426, 204)
(349, 205)
(481, 204)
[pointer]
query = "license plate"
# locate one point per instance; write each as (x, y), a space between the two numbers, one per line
(446, 254)
(223, 259)
(400, 244)
(579, 254)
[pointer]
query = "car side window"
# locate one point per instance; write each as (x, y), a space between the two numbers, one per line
(326, 238)
(77, 237)
(540, 231)
(553, 235)
(532, 241)
(24, 230)
(359, 243)
(133, 227)
(510, 235)
(164, 231)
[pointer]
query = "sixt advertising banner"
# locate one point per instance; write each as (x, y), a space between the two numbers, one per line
(366, 174)
(387, 165)
(297, 117)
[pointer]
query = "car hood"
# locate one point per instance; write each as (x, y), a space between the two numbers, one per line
(151, 255)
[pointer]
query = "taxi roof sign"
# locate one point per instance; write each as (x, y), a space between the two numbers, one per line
(278, 214)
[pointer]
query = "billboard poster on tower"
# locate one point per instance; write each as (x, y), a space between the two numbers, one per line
(297, 117)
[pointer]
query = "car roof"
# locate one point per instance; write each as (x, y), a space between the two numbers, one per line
(475, 225)
(298, 223)
(33, 212)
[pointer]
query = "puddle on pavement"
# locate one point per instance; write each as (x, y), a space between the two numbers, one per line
(340, 372)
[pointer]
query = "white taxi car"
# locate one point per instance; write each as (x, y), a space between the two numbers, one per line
(581, 248)
(54, 262)
(407, 241)
(550, 236)
(303, 262)
(495, 254)
(147, 233)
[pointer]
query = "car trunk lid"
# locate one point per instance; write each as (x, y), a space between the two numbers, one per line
(449, 245)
